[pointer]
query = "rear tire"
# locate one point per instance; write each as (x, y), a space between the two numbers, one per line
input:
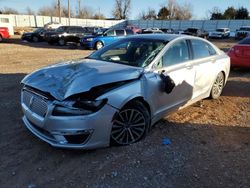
(130, 124)
(61, 41)
(35, 39)
(1, 38)
(217, 86)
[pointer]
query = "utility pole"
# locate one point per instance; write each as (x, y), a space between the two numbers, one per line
(99, 13)
(59, 9)
(69, 11)
(79, 8)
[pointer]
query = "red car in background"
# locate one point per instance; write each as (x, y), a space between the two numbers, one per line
(240, 53)
(134, 28)
(4, 33)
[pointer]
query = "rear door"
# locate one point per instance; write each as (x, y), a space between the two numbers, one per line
(71, 34)
(204, 62)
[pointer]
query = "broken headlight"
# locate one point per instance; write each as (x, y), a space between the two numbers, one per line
(78, 107)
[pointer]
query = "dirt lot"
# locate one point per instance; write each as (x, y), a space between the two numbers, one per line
(210, 141)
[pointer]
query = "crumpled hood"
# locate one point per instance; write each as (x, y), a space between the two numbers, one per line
(69, 78)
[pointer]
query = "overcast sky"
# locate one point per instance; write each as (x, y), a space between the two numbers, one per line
(199, 7)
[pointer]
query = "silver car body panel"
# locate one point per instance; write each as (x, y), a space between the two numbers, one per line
(66, 79)
(192, 79)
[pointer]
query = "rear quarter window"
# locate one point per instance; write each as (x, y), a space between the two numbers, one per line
(110, 33)
(202, 49)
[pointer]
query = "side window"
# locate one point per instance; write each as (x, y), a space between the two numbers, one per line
(80, 30)
(202, 49)
(129, 32)
(110, 33)
(119, 32)
(177, 53)
(71, 30)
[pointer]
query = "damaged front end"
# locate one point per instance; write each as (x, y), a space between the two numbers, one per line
(85, 103)
(82, 120)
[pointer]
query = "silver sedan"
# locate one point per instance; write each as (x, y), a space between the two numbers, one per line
(117, 93)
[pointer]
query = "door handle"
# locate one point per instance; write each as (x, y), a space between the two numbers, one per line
(213, 60)
(189, 67)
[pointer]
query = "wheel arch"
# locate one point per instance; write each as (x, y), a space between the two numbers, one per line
(99, 40)
(140, 99)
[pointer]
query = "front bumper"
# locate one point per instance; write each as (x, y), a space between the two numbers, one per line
(75, 132)
(25, 37)
(216, 36)
(87, 44)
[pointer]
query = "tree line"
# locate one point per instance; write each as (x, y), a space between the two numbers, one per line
(172, 11)
(230, 13)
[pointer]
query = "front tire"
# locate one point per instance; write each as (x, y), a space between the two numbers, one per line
(130, 124)
(217, 86)
(98, 45)
(1, 38)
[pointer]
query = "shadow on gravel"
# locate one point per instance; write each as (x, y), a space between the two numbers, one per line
(237, 89)
(240, 72)
(197, 156)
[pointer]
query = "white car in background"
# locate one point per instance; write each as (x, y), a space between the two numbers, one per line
(52, 25)
(220, 33)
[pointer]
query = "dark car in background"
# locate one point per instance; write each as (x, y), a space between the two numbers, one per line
(35, 36)
(65, 34)
(242, 32)
(196, 32)
(107, 37)
(152, 31)
(4, 33)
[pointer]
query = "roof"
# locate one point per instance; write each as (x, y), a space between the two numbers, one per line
(164, 37)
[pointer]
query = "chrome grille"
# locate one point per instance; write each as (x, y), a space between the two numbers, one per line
(35, 103)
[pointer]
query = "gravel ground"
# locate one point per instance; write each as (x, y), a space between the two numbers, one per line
(209, 141)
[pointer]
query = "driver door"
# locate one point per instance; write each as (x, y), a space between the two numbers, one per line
(176, 64)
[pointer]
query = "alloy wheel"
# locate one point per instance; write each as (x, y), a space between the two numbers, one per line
(128, 127)
(61, 42)
(217, 86)
(99, 45)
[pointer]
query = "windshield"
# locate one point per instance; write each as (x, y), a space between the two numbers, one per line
(38, 30)
(133, 52)
(245, 29)
(220, 30)
(61, 29)
(245, 41)
(193, 30)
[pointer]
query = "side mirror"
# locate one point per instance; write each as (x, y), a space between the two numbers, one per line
(167, 83)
